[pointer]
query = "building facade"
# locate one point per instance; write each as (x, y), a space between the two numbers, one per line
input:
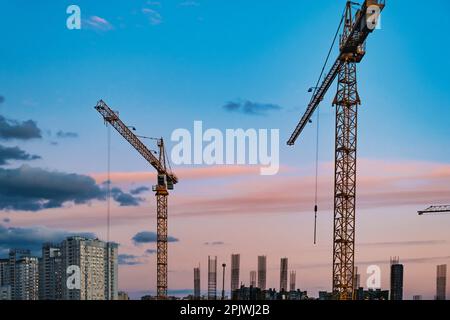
(22, 275)
(26, 284)
(50, 273)
(90, 269)
(3, 271)
(122, 296)
(5, 293)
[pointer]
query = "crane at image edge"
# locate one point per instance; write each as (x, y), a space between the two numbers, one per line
(356, 29)
(435, 210)
(165, 181)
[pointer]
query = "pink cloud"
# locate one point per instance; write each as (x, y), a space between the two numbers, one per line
(212, 172)
(380, 184)
(233, 190)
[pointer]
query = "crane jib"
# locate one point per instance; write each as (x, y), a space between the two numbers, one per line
(353, 44)
(315, 101)
(112, 118)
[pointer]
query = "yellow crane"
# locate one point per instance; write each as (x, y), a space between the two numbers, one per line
(356, 29)
(165, 181)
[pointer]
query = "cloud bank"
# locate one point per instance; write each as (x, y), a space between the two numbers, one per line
(34, 189)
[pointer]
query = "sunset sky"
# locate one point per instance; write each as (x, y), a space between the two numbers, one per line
(165, 64)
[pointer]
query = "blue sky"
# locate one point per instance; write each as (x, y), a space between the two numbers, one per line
(205, 54)
(184, 60)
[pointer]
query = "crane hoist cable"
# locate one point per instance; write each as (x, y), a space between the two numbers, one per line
(108, 184)
(318, 127)
(317, 176)
(328, 55)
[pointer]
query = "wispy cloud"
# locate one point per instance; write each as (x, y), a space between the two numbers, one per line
(412, 260)
(251, 108)
(129, 260)
(154, 3)
(154, 16)
(98, 23)
(214, 243)
(211, 172)
(404, 243)
(61, 134)
(149, 237)
(14, 153)
(139, 190)
(189, 3)
(381, 184)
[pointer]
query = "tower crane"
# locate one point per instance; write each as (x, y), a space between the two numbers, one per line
(356, 29)
(435, 209)
(165, 181)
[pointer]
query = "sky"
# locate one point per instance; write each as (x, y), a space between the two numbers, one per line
(165, 64)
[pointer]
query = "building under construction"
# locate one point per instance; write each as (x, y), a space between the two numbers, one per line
(284, 274)
(441, 282)
(396, 279)
(253, 279)
(235, 264)
(262, 272)
(212, 278)
(197, 283)
(292, 280)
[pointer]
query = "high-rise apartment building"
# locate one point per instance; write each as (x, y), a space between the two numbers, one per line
(22, 275)
(26, 284)
(50, 273)
(5, 293)
(95, 264)
(4, 268)
(262, 272)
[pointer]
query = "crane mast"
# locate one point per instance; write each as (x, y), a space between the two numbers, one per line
(356, 29)
(165, 182)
